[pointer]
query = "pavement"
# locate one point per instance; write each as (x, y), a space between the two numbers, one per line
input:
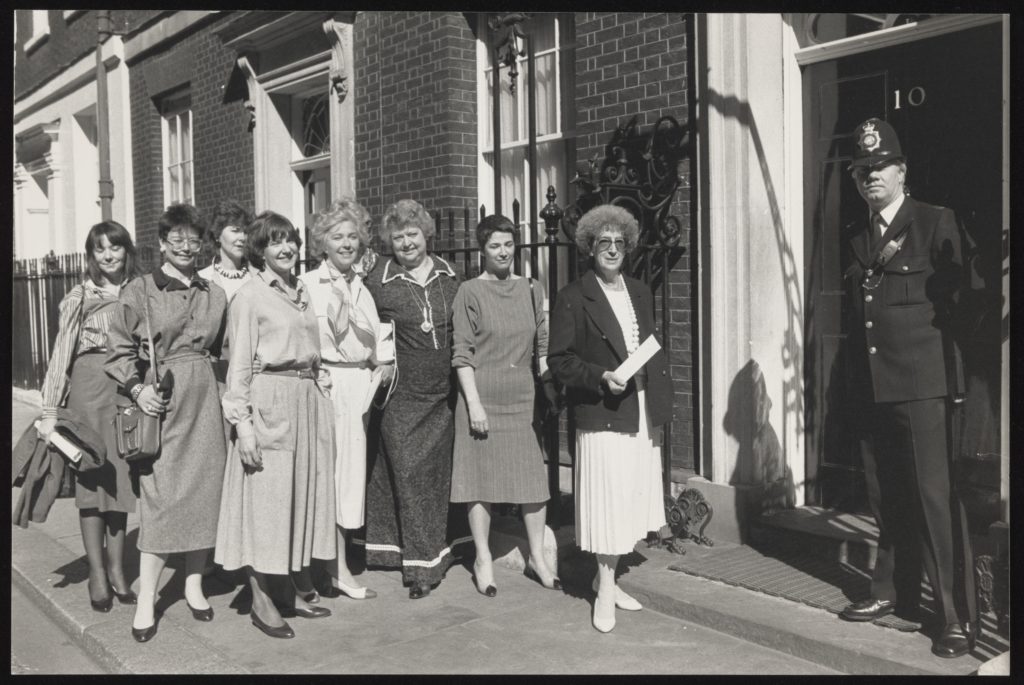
(689, 625)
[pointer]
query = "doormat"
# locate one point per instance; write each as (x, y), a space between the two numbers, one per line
(791, 572)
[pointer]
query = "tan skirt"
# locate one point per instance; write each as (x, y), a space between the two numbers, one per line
(618, 487)
(276, 519)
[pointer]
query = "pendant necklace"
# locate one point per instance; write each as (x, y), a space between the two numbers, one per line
(427, 326)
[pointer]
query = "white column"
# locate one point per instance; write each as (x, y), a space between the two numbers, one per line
(342, 106)
(754, 306)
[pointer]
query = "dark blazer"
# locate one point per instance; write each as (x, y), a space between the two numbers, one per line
(585, 341)
(900, 334)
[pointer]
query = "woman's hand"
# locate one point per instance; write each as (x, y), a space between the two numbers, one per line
(615, 384)
(477, 417)
(387, 372)
(46, 428)
(248, 448)
(150, 401)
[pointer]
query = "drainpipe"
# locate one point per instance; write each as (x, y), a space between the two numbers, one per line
(103, 31)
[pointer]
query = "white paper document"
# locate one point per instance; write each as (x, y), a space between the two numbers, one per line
(635, 361)
(66, 447)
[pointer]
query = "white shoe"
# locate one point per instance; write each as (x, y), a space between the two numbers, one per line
(354, 592)
(622, 600)
(604, 624)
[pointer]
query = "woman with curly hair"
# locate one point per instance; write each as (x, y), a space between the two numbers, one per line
(75, 380)
(410, 477)
(598, 321)
(349, 326)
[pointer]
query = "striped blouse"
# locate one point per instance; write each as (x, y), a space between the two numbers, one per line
(75, 336)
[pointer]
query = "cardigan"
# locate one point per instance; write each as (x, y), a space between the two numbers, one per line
(585, 341)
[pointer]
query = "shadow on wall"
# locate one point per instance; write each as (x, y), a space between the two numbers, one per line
(760, 460)
(791, 352)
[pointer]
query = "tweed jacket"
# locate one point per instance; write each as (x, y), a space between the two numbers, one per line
(900, 331)
(585, 340)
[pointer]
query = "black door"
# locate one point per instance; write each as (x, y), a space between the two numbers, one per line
(944, 97)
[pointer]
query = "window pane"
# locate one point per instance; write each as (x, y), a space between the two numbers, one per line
(186, 181)
(510, 129)
(547, 94)
(185, 119)
(512, 180)
(542, 29)
(171, 153)
(174, 185)
(316, 125)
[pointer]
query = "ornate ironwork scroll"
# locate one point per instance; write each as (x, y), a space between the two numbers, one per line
(687, 516)
(639, 172)
(505, 36)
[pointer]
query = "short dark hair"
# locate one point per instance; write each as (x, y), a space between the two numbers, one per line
(495, 223)
(227, 213)
(117, 235)
(180, 215)
(265, 228)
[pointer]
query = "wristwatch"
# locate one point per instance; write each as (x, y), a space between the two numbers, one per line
(136, 391)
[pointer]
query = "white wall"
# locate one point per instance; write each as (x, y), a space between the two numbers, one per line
(753, 299)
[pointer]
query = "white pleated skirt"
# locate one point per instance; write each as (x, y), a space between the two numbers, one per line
(619, 495)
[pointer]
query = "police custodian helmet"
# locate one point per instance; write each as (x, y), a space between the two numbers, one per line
(876, 143)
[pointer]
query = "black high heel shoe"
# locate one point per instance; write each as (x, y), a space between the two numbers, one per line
(489, 591)
(283, 631)
(102, 606)
(528, 571)
(146, 634)
(204, 615)
(125, 597)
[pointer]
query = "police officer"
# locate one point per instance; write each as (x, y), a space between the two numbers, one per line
(903, 283)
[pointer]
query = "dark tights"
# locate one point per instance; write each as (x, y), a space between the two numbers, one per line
(103, 536)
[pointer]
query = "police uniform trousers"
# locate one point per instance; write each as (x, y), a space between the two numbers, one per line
(921, 521)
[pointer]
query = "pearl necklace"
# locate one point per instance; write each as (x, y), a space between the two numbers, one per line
(232, 275)
(632, 337)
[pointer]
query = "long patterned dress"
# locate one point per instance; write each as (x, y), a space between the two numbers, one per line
(180, 491)
(81, 346)
(496, 329)
(407, 508)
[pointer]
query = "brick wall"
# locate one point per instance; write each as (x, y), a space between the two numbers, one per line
(222, 146)
(636, 64)
(415, 110)
(69, 41)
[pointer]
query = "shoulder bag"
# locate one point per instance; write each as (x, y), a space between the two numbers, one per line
(138, 433)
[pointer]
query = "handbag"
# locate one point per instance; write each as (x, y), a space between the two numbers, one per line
(138, 433)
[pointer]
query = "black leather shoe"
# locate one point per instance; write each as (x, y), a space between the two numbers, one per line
(868, 609)
(311, 598)
(532, 575)
(311, 612)
(419, 591)
(205, 615)
(954, 641)
(146, 634)
(283, 631)
(102, 606)
(125, 597)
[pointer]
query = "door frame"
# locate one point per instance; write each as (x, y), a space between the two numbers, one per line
(899, 35)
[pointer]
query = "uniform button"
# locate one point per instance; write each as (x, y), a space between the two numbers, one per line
(906, 268)
(662, 373)
(868, 298)
(608, 425)
(869, 324)
(872, 350)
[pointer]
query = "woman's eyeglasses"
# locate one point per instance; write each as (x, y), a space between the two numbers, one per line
(178, 242)
(606, 243)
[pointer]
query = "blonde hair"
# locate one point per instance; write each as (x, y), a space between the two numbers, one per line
(338, 212)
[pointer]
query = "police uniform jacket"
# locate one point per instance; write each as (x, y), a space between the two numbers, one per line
(900, 331)
(585, 340)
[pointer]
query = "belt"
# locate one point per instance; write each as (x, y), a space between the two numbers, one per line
(185, 356)
(346, 365)
(290, 373)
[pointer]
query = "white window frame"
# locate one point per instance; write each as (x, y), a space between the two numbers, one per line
(485, 173)
(170, 110)
(40, 29)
